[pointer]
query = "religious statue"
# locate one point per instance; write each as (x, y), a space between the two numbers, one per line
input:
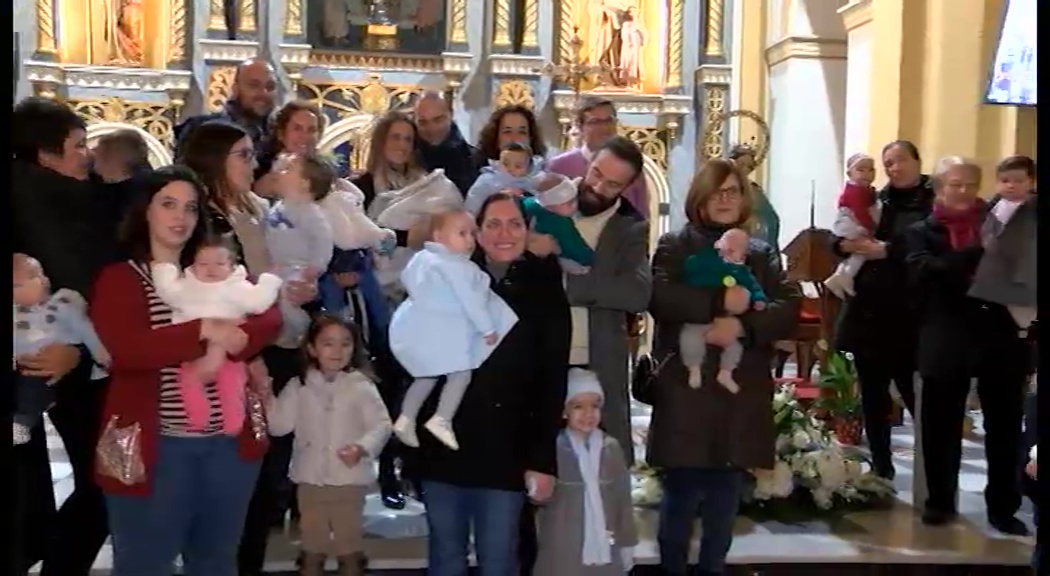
(632, 40)
(403, 25)
(125, 32)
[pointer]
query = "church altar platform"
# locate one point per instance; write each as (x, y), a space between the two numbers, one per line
(893, 539)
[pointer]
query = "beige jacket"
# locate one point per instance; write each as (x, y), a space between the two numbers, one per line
(326, 417)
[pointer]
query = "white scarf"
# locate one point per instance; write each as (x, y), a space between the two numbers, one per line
(597, 549)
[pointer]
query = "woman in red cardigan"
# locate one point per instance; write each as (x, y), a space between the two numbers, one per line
(171, 490)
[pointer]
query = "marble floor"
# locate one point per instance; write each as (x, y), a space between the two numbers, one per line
(895, 536)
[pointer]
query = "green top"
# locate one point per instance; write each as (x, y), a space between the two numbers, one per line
(767, 221)
(707, 269)
(562, 229)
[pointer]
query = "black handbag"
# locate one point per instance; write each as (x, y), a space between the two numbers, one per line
(645, 375)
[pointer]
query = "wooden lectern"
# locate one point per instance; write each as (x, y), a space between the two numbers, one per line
(811, 260)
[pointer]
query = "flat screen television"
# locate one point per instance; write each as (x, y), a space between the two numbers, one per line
(1012, 80)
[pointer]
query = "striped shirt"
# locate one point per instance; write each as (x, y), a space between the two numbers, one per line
(173, 420)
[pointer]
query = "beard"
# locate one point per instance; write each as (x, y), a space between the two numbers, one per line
(590, 202)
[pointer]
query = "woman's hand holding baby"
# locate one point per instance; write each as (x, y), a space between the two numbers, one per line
(737, 300)
(491, 338)
(724, 331)
(542, 245)
(351, 455)
(224, 333)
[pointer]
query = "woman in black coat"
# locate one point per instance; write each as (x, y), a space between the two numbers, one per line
(876, 325)
(961, 338)
(510, 415)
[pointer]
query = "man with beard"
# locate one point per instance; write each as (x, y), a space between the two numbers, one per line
(618, 283)
(441, 145)
(249, 106)
(67, 220)
(595, 118)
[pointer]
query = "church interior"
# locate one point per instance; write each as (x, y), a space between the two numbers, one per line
(805, 83)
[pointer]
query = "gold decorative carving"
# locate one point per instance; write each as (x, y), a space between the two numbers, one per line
(715, 96)
(713, 44)
(45, 27)
(177, 46)
(674, 43)
(293, 18)
(220, 87)
(530, 30)
(501, 29)
(652, 141)
(341, 100)
(216, 20)
(515, 93)
(457, 30)
(375, 62)
(156, 119)
(247, 18)
(759, 144)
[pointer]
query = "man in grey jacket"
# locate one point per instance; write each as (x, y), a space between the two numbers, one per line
(604, 300)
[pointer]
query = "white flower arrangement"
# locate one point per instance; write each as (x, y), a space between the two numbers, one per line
(810, 462)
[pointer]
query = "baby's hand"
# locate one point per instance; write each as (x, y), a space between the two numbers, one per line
(103, 358)
(350, 455)
(759, 305)
(491, 339)
(1030, 469)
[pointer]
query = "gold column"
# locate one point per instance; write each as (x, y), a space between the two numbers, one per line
(713, 45)
(247, 19)
(215, 17)
(178, 27)
(501, 26)
(45, 30)
(293, 18)
(674, 44)
(530, 30)
(457, 17)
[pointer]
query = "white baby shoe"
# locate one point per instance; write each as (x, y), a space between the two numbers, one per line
(840, 285)
(405, 430)
(442, 430)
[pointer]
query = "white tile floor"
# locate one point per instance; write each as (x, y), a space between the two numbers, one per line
(397, 539)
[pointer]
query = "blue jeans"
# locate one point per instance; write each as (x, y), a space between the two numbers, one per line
(196, 508)
(495, 516)
(715, 495)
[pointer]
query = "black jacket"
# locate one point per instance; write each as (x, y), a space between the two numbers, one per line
(257, 128)
(455, 156)
(511, 413)
(959, 336)
(69, 225)
(877, 322)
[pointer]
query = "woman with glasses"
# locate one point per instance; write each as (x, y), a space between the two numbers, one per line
(960, 338)
(224, 158)
(704, 439)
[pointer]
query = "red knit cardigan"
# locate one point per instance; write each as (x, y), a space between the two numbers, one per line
(120, 312)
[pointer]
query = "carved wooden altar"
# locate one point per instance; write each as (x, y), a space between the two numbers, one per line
(809, 261)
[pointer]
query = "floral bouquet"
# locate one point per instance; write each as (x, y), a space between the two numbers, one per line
(813, 472)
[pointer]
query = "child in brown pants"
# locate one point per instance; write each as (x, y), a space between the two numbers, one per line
(340, 425)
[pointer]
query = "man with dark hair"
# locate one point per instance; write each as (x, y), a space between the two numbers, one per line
(441, 145)
(595, 117)
(618, 283)
(251, 102)
(68, 222)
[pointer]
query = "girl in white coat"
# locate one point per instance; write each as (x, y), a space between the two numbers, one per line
(340, 425)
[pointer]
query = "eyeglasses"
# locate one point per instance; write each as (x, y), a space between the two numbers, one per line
(246, 154)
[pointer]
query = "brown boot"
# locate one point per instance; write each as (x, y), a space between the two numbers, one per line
(313, 564)
(352, 564)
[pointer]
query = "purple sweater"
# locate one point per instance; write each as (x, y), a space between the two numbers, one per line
(573, 164)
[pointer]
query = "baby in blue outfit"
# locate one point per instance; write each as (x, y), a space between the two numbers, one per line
(41, 319)
(516, 169)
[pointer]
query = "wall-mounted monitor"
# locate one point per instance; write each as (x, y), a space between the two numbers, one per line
(1012, 80)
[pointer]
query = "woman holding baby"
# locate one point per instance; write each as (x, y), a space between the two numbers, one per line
(961, 337)
(704, 435)
(172, 487)
(223, 157)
